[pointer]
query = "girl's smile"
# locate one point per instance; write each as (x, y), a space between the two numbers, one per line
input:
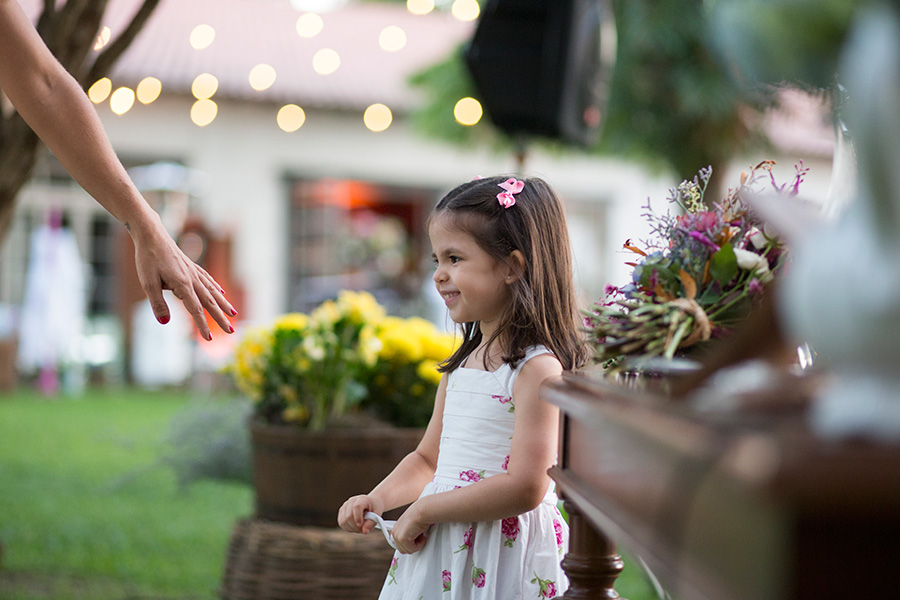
(473, 284)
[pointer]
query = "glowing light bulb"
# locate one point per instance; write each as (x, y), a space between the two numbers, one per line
(377, 117)
(326, 61)
(202, 36)
(203, 112)
(465, 10)
(100, 90)
(392, 38)
(204, 86)
(420, 7)
(309, 25)
(102, 38)
(262, 76)
(121, 100)
(290, 117)
(468, 111)
(148, 90)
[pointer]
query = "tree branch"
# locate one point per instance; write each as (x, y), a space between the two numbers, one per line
(104, 62)
(77, 25)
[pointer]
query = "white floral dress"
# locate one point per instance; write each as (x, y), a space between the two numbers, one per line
(508, 559)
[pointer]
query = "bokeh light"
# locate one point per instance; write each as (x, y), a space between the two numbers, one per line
(203, 112)
(420, 7)
(204, 86)
(468, 111)
(100, 90)
(465, 10)
(121, 100)
(290, 117)
(102, 38)
(148, 90)
(392, 38)
(326, 61)
(202, 36)
(309, 25)
(378, 117)
(262, 76)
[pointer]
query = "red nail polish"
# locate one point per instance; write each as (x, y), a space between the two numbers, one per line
(231, 329)
(233, 313)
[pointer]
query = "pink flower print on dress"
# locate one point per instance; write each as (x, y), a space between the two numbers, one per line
(546, 587)
(467, 540)
(506, 400)
(471, 475)
(505, 465)
(392, 572)
(445, 576)
(478, 577)
(557, 527)
(510, 529)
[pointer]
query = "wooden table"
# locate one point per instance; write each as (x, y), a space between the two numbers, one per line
(739, 503)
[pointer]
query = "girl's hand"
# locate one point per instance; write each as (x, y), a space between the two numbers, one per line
(410, 532)
(350, 516)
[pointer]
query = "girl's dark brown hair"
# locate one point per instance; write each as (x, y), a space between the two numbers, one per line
(543, 307)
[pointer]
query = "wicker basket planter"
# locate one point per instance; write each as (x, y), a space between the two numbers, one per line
(303, 477)
(277, 561)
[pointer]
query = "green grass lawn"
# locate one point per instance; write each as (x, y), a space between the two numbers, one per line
(89, 511)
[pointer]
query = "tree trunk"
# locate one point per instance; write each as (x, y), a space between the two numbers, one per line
(69, 31)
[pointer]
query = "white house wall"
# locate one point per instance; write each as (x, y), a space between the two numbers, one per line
(247, 159)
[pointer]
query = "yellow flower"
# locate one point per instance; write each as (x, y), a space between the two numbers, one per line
(295, 413)
(427, 370)
(325, 315)
(369, 345)
(360, 307)
(292, 321)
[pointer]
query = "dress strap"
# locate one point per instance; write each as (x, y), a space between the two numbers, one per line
(529, 354)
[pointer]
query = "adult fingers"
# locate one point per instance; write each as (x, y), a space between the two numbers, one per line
(154, 292)
(211, 298)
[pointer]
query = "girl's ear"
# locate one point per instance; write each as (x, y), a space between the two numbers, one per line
(516, 264)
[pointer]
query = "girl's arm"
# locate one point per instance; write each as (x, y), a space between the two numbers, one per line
(49, 99)
(520, 489)
(404, 484)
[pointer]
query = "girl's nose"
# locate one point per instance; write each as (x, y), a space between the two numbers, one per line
(439, 275)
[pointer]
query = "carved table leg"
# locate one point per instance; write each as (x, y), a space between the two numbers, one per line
(592, 563)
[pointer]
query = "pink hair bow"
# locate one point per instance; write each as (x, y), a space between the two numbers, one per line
(511, 186)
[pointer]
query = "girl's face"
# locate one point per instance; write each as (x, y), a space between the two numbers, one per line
(473, 284)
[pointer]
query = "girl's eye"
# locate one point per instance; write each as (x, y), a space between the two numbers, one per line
(454, 259)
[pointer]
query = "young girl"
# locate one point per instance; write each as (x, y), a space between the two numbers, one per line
(483, 522)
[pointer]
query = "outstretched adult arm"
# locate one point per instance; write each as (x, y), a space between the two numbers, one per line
(53, 104)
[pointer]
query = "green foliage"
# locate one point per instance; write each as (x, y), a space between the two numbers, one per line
(209, 440)
(671, 98)
(723, 265)
(444, 84)
(88, 512)
(784, 40)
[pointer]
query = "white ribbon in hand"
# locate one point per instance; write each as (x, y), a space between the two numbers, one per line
(384, 526)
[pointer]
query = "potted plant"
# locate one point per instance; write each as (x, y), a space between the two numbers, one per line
(320, 430)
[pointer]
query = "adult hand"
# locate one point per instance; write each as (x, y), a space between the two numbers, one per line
(161, 265)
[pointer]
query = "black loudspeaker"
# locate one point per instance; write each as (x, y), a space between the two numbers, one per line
(538, 67)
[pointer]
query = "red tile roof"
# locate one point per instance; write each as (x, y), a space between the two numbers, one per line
(250, 32)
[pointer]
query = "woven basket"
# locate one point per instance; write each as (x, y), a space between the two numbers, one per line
(277, 561)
